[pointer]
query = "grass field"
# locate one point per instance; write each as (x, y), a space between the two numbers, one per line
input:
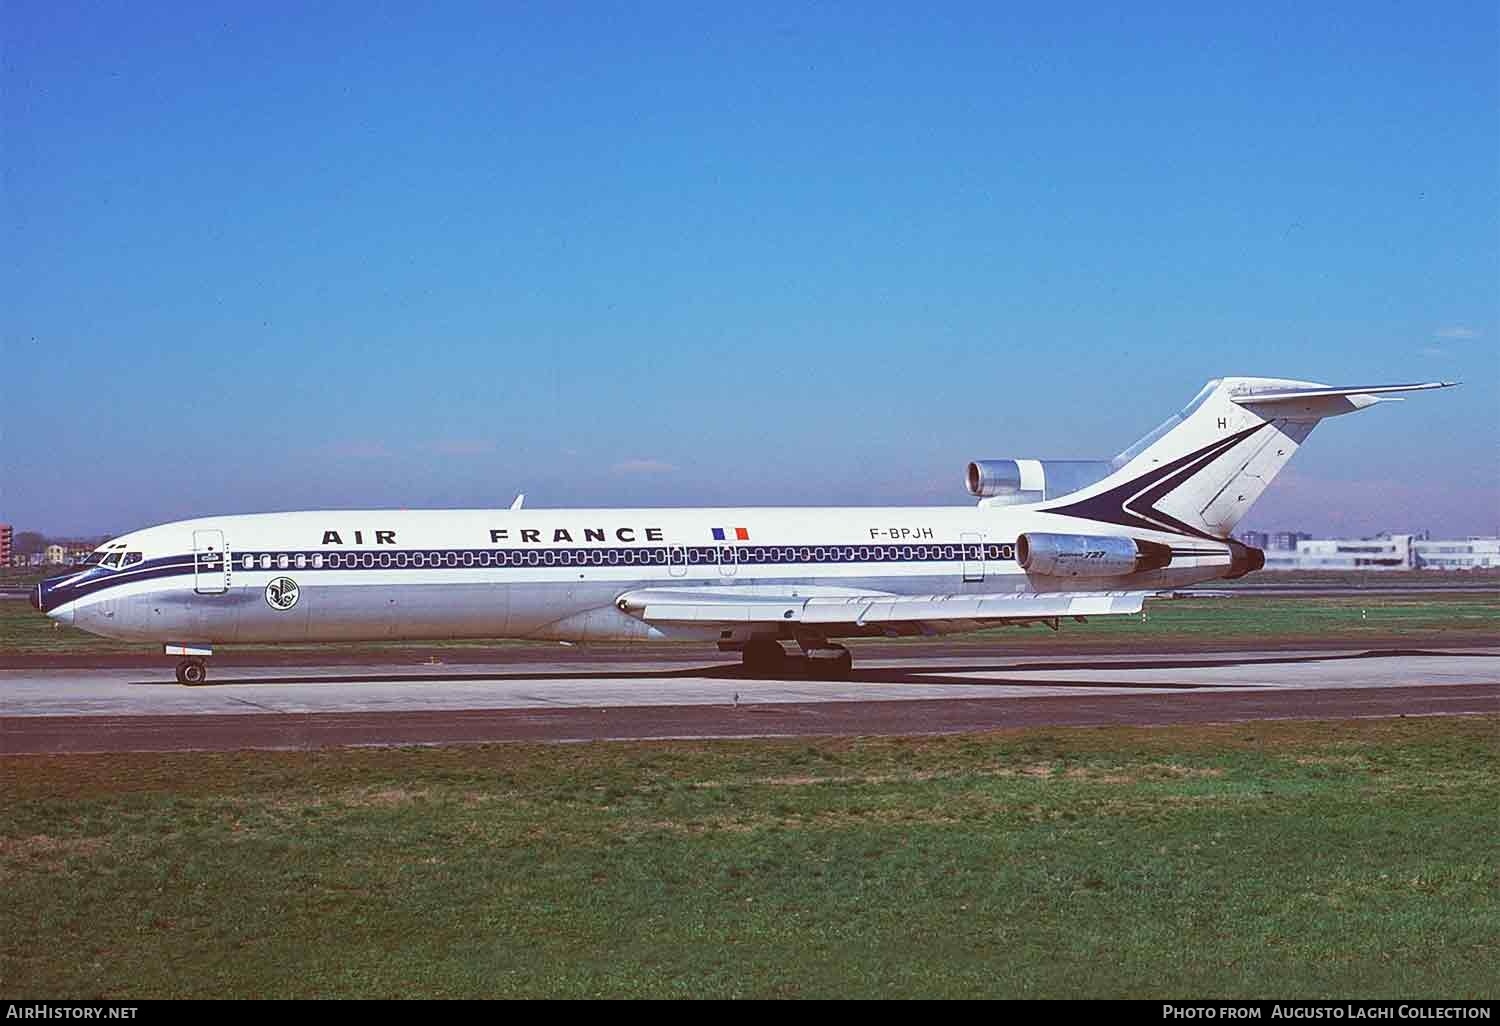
(1240, 619)
(1280, 859)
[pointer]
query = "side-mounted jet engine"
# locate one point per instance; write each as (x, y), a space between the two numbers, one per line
(1088, 555)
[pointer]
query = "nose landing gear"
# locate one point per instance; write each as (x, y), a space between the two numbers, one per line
(192, 671)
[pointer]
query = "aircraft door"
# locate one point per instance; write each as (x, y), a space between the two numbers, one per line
(729, 560)
(973, 555)
(210, 563)
(676, 560)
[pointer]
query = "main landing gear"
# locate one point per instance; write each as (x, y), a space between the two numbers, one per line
(764, 657)
(829, 662)
(192, 671)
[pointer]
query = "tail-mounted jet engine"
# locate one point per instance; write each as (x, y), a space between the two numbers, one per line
(1243, 559)
(1087, 555)
(1008, 482)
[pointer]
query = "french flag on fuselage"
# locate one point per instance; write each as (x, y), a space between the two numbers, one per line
(723, 533)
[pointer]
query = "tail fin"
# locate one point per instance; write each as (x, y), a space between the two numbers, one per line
(1200, 471)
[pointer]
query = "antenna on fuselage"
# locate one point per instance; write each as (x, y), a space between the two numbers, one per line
(520, 500)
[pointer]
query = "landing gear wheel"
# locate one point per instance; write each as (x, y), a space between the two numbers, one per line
(763, 657)
(837, 668)
(192, 671)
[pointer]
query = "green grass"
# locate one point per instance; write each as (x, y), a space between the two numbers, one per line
(24, 630)
(1286, 619)
(1247, 619)
(1286, 859)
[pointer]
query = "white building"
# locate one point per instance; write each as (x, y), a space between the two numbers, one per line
(56, 554)
(1473, 553)
(1388, 552)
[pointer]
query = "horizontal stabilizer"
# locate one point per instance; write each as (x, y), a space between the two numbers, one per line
(1324, 392)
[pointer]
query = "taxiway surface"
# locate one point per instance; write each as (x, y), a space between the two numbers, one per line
(629, 697)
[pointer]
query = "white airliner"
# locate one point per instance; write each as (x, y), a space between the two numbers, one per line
(1048, 539)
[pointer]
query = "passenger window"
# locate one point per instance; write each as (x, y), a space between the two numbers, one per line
(318, 561)
(265, 561)
(249, 562)
(131, 558)
(282, 562)
(301, 560)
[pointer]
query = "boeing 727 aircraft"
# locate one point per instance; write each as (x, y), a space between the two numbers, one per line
(1048, 539)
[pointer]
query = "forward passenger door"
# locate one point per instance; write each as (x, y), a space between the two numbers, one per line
(210, 563)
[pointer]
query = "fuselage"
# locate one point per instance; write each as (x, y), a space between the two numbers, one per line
(1158, 515)
(349, 575)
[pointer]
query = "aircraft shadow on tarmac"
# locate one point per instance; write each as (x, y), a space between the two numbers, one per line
(947, 676)
(930, 676)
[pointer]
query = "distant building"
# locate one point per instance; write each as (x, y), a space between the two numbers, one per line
(7, 544)
(1393, 553)
(1256, 539)
(1288, 540)
(1473, 553)
(1388, 552)
(77, 552)
(55, 554)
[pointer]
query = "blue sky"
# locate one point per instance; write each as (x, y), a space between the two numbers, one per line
(275, 257)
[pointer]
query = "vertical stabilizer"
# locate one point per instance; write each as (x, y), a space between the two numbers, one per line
(1199, 472)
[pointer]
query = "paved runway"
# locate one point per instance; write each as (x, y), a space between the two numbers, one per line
(630, 697)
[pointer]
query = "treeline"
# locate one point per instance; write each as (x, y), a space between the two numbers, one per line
(28, 543)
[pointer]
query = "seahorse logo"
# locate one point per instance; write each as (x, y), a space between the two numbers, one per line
(282, 593)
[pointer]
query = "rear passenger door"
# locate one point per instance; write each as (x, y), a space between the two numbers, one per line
(973, 555)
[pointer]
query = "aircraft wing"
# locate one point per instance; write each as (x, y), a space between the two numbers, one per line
(729, 606)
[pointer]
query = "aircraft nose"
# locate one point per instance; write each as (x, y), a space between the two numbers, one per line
(52, 597)
(63, 614)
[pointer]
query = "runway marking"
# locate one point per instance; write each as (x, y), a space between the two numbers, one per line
(281, 730)
(255, 705)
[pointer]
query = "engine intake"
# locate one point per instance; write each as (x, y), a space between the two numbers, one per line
(988, 478)
(1088, 555)
(1007, 482)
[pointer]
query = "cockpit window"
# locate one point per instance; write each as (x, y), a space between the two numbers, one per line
(112, 560)
(131, 558)
(95, 558)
